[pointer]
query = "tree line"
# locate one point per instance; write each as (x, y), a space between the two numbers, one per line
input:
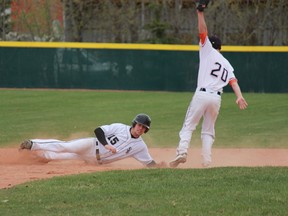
(236, 22)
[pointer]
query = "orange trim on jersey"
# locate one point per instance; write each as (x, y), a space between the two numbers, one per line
(232, 81)
(203, 37)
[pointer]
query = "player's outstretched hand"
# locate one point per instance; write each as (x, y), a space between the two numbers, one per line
(202, 4)
(111, 148)
(241, 103)
(153, 164)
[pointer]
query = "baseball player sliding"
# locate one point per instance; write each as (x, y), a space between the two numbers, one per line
(214, 73)
(113, 142)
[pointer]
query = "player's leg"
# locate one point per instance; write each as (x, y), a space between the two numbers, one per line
(49, 155)
(192, 118)
(207, 142)
(194, 113)
(84, 148)
(208, 130)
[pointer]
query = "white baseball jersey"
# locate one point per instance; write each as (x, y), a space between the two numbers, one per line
(116, 134)
(119, 136)
(215, 71)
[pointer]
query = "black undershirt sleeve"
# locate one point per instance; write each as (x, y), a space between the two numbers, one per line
(100, 136)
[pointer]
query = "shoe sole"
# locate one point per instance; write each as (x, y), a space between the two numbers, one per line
(177, 162)
(26, 145)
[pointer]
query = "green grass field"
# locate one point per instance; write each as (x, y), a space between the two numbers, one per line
(67, 114)
(217, 191)
(221, 191)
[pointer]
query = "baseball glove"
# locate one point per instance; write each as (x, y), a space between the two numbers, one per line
(202, 4)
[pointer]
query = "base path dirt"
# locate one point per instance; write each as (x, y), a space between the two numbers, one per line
(20, 167)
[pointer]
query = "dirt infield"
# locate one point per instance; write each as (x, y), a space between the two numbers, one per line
(20, 167)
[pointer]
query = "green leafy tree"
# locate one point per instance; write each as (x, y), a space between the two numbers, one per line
(159, 28)
(5, 21)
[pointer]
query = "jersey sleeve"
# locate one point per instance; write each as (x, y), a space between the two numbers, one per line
(202, 37)
(232, 80)
(112, 128)
(205, 45)
(143, 156)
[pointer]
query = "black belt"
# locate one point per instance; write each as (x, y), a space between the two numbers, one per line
(204, 89)
(98, 153)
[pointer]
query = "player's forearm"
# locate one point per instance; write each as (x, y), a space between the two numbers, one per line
(236, 90)
(202, 27)
(153, 164)
(240, 101)
(99, 133)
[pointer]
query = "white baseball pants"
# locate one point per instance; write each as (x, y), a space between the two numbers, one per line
(53, 149)
(206, 105)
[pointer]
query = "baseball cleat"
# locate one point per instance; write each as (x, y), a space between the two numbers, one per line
(179, 159)
(27, 144)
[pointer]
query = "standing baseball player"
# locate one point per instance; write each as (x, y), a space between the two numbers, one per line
(113, 142)
(214, 73)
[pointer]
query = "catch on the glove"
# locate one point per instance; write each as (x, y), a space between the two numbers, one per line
(202, 4)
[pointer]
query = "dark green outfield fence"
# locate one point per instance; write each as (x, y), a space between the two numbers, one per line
(132, 67)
